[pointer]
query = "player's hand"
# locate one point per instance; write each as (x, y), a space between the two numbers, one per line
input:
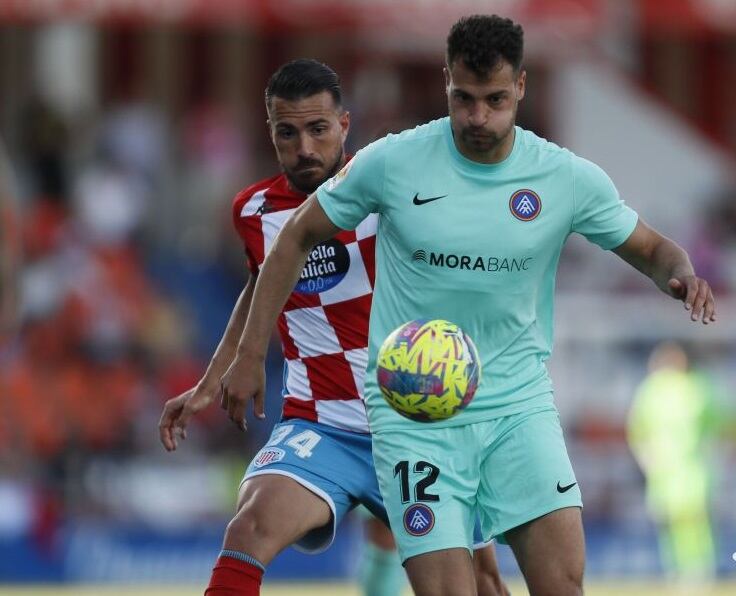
(178, 411)
(697, 296)
(244, 381)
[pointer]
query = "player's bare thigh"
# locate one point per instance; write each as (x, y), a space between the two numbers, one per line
(273, 512)
(447, 572)
(550, 551)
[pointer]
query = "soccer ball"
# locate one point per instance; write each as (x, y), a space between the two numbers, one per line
(428, 370)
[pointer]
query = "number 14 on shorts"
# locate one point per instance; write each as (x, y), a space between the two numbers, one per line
(302, 443)
(420, 494)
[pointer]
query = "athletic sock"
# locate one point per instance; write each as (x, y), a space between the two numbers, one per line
(235, 574)
(381, 572)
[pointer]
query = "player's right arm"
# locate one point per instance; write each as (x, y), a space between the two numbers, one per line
(178, 410)
(245, 378)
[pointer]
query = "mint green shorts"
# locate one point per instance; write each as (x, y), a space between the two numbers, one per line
(509, 470)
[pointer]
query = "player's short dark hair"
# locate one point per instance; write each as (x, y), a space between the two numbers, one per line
(482, 41)
(303, 78)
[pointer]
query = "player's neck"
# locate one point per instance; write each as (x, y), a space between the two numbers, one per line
(294, 189)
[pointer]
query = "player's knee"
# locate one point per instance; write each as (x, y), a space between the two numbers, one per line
(572, 580)
(489, 583)
(245, 523)
(569, 588)
(250, 532)
(566, 583)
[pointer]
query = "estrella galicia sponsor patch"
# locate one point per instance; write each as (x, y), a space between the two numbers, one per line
(418, 520)
(525, 204)
(268, 455)
(326, 266)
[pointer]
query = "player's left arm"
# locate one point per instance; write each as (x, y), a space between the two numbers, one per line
(669, 267)
(245, 380)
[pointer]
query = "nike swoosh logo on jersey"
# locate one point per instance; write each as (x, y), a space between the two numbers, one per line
(564, 489)
(418, 201)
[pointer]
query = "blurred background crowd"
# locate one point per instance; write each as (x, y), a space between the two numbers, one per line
(129, 126)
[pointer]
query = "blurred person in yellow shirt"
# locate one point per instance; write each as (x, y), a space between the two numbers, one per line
(669, 423)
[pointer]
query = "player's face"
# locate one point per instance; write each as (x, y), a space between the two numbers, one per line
(309, 136)
(483, 109)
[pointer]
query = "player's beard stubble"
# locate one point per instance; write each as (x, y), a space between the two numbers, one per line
(308, 174)
(482, 140)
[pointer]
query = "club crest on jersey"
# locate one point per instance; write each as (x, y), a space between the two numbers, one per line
(525, 204)
(339, 177)
(266, 207)
(418, 520)
(269, 455)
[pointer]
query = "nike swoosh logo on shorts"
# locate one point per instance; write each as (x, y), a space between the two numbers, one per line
(564, 489)
(418, 201)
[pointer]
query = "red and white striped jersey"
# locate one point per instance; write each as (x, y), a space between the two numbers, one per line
(324, 324)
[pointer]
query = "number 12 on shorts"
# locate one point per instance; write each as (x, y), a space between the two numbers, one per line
(420, 488)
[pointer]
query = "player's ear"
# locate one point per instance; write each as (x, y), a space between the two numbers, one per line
(344, 120)
(270, 131)
(521, 85)
(446, 72)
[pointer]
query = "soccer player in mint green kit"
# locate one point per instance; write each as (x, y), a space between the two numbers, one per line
(473, 214)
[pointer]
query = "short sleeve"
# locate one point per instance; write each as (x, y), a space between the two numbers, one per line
(241, 228)
(355, 191)
(600, 215)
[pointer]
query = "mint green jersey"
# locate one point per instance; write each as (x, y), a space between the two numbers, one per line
(474, 244)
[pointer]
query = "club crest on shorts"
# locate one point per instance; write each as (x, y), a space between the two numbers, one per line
(269, 455)
(525, 204)
(418, 520)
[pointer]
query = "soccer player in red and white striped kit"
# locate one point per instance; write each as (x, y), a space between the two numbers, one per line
(317, 464)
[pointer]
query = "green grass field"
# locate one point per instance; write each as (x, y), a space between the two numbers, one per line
(325, 589)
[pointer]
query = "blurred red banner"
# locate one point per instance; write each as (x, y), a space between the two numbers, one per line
(688, 16)
(579, 15)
